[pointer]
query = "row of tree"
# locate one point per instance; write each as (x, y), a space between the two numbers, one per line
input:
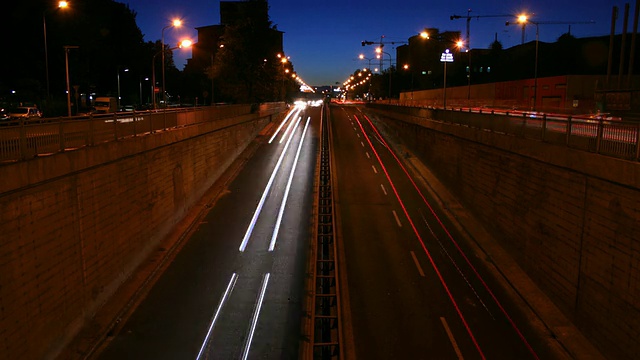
(112, 56)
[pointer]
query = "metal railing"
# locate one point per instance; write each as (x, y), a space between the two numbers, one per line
(606, 136)
(22, 140)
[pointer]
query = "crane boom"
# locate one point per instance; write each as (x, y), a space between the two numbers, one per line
(469, 17)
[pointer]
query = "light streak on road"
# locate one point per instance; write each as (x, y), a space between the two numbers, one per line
(256, 315)
(287, 131)
(424, 247)
(295, 110)
(225, 297)
(455, 243)
(272, 244)
(256, 213)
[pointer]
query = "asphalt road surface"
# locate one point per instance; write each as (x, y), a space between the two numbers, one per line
(235, 289)
(415, 290)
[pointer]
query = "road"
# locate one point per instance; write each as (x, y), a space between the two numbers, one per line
(235, 290)
(415, 289)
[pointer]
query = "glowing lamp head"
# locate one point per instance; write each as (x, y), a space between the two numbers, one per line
(177, 23)
(185, 43)
(522, 19)
(424, 35)
(62, 4)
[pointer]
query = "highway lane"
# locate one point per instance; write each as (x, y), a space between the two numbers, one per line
(235, 290)
(416, 290)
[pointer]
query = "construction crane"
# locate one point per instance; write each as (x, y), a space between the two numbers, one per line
(469, 17)
(527, 21)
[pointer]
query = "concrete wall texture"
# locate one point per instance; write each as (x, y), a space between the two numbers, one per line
(570, 218)
(75, 225)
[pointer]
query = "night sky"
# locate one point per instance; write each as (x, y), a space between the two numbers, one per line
(323, 38)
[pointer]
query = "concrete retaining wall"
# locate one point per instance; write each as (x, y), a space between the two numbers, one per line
(75, 225)
(570, 218)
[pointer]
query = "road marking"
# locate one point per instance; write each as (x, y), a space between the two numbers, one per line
(256, 314)
(369, 156)
(374, 169)
(383, 189)
(224, 299)
(415, 260)
(397, 218)
(361, 143)
(453, 340)
(358, 134)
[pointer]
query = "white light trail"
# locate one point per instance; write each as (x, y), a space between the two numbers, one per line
(294, 110)
(256, 213)
(287, 130)
(227, 293)
(256, 314)
(272, 244)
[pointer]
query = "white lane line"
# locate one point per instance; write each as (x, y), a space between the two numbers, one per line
(256, 213)
(361, 143)
(256, 315)
(383, 189)
(453, 340)
(374, 169)
(369, 156)
(358, 135)
(272, 244)
(294, 110)
(415, 260)
(397, 218)
(223, 300)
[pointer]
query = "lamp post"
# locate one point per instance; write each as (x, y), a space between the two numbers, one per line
(524, 20)
(182, 44)
(66, 62)
(125, 70)
(380, 55)
(61, 5)
(175, 23)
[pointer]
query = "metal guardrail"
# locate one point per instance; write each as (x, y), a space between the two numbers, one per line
(601, 135)
(22, 140)
(325, 336)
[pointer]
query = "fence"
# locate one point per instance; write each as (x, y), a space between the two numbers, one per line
(21, 140)
(599, 134)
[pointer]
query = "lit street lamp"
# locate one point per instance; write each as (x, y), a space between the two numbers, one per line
(125, 70)
(61, 5)
(522, 19)
(182, 44)
(380, 53)
(175, 23)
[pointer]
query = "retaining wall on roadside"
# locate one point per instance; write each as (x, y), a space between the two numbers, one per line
(75, 225)
(570, 218)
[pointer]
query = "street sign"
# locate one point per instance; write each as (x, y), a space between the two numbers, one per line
(446, 56)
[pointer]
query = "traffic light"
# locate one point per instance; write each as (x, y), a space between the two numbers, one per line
(367, 43)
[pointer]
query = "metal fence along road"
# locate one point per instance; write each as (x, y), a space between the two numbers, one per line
(22, 140)
(615, 138)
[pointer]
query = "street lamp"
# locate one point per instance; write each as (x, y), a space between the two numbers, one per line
(175, 23)
(125, 70)
(61, 5)
(522, 19)
(379, 56)
(66, 62)
(182, 44)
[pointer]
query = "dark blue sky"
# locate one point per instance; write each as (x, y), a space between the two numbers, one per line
(323, 38)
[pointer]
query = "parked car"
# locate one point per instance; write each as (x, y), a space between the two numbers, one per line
(25, 112)
(4, 115)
